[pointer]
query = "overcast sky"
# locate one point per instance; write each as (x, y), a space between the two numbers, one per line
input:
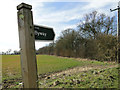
(58, 14)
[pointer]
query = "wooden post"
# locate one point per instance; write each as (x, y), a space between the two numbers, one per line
(118, 33)
(118, 40)
(118, 37)
(27, 46)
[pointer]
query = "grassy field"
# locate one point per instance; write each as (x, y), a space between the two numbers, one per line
(46, 64)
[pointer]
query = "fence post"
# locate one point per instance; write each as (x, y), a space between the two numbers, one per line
(27, 46)
(118, 38)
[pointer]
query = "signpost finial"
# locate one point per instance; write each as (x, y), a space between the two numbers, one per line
(24, 5)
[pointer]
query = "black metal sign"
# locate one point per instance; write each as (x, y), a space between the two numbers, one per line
(43, 33)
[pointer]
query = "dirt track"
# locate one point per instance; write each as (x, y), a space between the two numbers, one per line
(80, 69)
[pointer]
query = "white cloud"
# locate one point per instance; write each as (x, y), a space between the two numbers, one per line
(74, 13)
(59, 16)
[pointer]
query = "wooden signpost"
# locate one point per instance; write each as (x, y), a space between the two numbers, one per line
(27, 35)
(27, 45)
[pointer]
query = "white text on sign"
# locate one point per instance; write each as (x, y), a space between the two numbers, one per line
(40, 33)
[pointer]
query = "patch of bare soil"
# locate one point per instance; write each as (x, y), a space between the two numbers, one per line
(11, 83)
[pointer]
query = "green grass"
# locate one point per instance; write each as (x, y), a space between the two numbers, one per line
(46, 64)
(11, 66)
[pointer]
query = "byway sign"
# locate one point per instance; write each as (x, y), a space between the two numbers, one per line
(43, 33)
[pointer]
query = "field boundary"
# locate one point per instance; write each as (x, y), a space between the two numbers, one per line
(84, 59)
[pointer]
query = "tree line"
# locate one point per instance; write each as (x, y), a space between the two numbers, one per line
(9, 52)
(94, 38)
